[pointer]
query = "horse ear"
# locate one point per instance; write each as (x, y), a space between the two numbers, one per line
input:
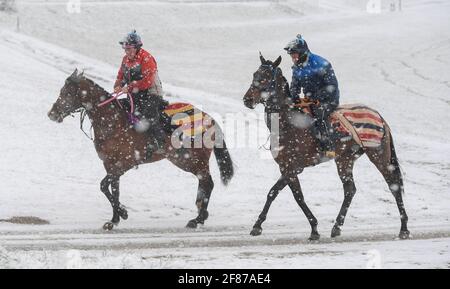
(75, 77)
(277, 62)
(74, 74)
(263, 60)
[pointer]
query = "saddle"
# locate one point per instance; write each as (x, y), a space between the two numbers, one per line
(352, 121)
(304, 105)
(191, 120)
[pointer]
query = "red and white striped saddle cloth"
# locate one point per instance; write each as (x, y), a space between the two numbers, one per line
(364, 124)
(356, 121)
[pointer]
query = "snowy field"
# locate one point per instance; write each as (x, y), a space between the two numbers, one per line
(396, 62)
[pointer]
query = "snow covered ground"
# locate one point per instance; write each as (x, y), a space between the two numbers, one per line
(396, 62)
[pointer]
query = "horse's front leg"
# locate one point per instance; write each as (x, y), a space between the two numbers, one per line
(296, 189)
(271, 196)
(119, 210)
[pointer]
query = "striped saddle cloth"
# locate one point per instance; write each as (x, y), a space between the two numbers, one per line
(357, 121)
(190, 119)
(364, 124)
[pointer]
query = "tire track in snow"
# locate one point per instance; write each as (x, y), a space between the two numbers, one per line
(211, 239)
(388, 78)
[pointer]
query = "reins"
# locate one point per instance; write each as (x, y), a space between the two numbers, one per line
(113, 96)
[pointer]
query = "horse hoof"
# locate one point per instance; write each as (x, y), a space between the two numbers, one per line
(314, 237)
(108, 226)
(256, 232)
(404, 235)
(192, 224)
(335, 232)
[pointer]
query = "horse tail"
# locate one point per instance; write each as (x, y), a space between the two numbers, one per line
(223, 157)
(393, 160)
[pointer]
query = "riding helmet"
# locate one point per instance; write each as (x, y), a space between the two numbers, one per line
(132, 39)
(298, 45)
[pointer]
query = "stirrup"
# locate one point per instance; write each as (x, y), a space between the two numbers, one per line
(153, 149)
(158, 147)
(330, 154)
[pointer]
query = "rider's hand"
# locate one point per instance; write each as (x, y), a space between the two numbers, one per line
(125, 89)
(117, 89)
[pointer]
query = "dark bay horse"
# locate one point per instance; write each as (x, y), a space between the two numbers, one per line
(122, 147)
(295, 148)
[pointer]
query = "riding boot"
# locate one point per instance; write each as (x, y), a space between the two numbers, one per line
(158, 138)
(150, 107)
(317, 132)
(323, 128)
(327, 139)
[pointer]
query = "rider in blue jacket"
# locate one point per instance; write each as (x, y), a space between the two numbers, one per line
(315, 76)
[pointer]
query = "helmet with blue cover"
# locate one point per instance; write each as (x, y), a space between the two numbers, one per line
(298, 45)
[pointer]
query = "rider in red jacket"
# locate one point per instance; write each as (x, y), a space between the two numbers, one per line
(138, 71)
(138, 75)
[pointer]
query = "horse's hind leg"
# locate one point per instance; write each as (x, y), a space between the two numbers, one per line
(390, 169)
(345, 170)
(118, 210)
(205, 187)
(196, 162)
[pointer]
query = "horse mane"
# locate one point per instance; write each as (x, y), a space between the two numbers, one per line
(101, 92)
(76, 79)
(286, 86)
(94, 84)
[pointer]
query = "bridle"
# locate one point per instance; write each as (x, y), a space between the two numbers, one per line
(270, 88)
(83, 113)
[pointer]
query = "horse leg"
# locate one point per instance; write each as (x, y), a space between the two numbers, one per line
(273, 193)
(345, 171)
(119, 211)
(296, 189)
(392, 174)
(205, 187)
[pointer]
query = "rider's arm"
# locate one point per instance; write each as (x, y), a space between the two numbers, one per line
(119, 79)
(148, 68)
(329, 93)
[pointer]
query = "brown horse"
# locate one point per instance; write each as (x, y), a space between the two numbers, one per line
(122, 147)
(295, 148)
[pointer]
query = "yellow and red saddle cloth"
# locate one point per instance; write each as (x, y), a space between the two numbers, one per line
(192, 120)
(365, 125)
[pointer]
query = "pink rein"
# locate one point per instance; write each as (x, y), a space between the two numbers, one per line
(131, 117)
(114, 96)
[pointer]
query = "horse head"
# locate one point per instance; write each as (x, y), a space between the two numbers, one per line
(265, 82)
(70, 98)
